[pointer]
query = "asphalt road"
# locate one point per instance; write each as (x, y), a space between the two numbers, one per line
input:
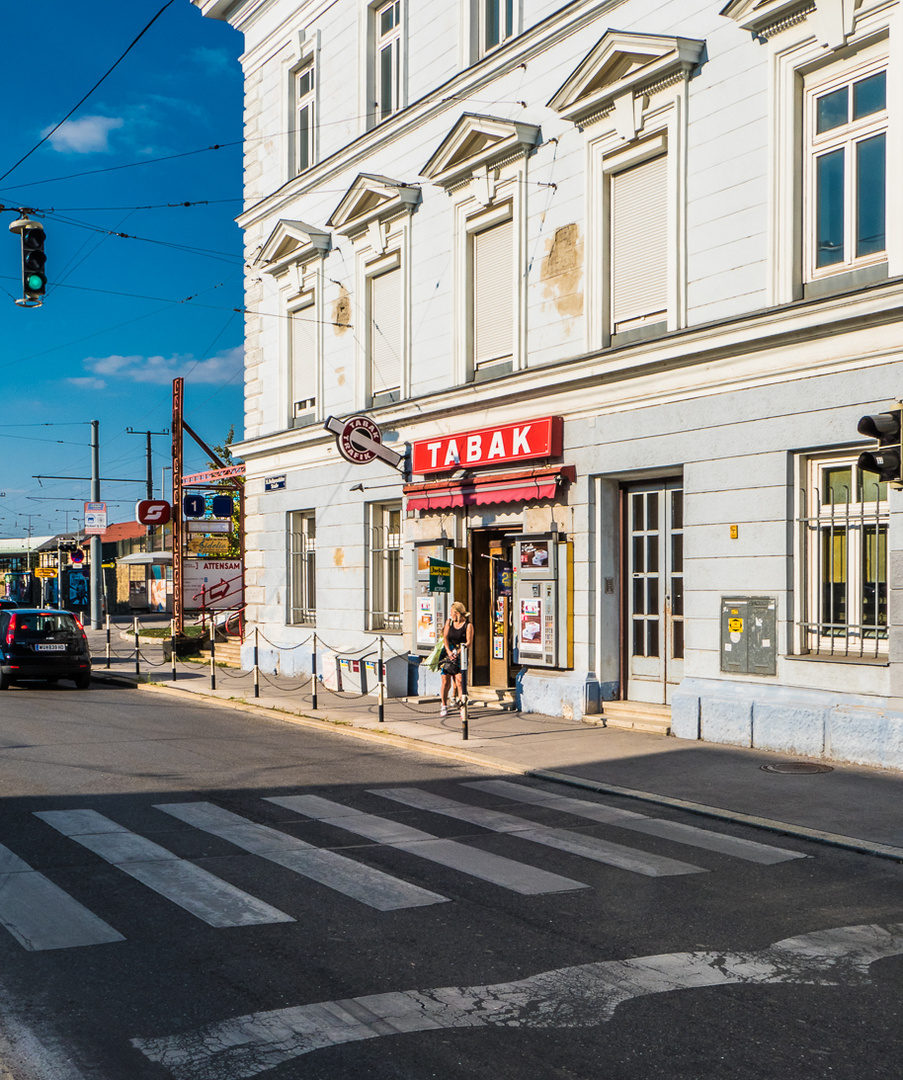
(196, 893)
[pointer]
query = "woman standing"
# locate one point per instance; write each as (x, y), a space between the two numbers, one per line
(458, 631)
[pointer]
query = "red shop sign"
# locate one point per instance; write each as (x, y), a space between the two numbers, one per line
(523, 441)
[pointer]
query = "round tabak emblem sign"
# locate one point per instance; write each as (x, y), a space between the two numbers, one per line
(356, 440)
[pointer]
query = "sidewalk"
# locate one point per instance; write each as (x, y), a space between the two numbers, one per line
(854, 807)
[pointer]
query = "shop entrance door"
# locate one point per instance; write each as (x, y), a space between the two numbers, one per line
(654, 638)
(490, 605)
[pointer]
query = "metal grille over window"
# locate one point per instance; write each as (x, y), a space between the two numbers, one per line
(493, 294)
(385, 568)
(302, 568)
(845, 547)
(639, 245)
(385, 333)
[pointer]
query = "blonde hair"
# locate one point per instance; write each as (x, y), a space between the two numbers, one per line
(458, 607)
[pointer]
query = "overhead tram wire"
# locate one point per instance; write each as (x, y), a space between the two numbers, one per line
(81, 102)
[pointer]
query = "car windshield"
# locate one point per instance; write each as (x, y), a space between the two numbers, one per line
(46, 627)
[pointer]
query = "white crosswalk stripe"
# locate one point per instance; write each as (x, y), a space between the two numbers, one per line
(519, 877)
(750, 850)
(196, 890)
(40, 915)
(588, 847)
(372, 887)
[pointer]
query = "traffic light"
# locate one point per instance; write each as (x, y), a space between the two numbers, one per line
(34, 280)
(887, 458)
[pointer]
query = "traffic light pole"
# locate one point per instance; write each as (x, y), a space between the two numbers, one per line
(96, 556)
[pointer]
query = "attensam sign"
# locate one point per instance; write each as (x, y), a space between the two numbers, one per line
(488, 446)
(212, 584)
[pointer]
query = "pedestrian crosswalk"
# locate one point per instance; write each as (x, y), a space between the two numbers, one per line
(41, 915)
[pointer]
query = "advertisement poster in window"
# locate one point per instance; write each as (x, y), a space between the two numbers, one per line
(504, 583)
(534, 555)
(426, 620)
(498, 629)
(531, 627)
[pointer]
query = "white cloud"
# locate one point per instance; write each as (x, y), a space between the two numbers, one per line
(87, 135)
(161, 370)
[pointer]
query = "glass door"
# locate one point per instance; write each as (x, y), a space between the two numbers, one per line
(655, 592)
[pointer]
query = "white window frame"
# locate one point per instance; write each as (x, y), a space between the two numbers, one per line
(476, 227)
(385, 551)
(844, 138)
(393, 40)
(305, 57)
(301, 595)
(831, 543)
(661, 131)
(506, 12)
(304, 100)
(390, 263)
(304, 410)
(800, 62)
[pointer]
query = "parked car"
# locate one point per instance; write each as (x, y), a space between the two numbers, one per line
(6, 602)
(36, 643)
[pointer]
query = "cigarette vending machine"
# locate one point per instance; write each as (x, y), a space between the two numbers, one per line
(543, 614)
(431, 608)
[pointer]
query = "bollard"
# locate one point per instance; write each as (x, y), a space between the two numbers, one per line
(172, 644)
(313, 675)
(256, 665)
(108, 641)
(381, 689)
(465, 734)
(212, 656)
(137, 650)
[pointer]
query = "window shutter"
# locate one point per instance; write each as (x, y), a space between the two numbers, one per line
(303, 360)
(639, 242)
(385, 332)
(493, 294)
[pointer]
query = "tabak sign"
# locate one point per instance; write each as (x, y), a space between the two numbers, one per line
(503, 444)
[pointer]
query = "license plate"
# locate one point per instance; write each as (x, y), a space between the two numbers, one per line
(51, 648)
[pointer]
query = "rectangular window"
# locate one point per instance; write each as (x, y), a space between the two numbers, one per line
(847, 201)
(387, 73)
(639, 245)
(844, 527)
(492, 283)
(304, 118)
(496, 23)
(303, 365)
(302, 569)
(385, 337)
(385, 567)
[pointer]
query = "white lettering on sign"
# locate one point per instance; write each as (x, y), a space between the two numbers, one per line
(520, 441)
(519, 444)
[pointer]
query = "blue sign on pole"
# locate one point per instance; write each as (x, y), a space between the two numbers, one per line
(222, 506)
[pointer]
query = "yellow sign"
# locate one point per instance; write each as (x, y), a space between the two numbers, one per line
(735, 626)
(44, 571)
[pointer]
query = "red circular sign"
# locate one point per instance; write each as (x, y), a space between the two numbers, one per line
(358, 453)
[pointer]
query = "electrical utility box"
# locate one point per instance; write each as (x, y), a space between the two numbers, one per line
(748, 635)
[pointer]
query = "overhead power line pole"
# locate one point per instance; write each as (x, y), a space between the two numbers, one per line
(96, 556)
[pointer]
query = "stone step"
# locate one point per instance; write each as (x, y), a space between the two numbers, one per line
(229, 652)
(633, 716)
(490, 697)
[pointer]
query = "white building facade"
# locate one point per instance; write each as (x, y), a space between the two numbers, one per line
(618, 279)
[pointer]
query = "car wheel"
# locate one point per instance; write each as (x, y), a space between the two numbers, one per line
(82, 682)
(5, 682)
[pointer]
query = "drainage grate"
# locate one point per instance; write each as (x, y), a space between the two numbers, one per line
(796, 768)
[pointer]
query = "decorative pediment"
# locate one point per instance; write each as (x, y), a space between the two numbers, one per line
(623, 67)
(831, 20)
(292, 242)
(372, 198)
(478, 142)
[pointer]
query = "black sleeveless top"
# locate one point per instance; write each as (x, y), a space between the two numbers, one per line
(457, 635)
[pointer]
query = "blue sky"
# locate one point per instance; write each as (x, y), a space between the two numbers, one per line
(116, 326)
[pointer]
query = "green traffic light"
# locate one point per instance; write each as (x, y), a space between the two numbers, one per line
(34, 282)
